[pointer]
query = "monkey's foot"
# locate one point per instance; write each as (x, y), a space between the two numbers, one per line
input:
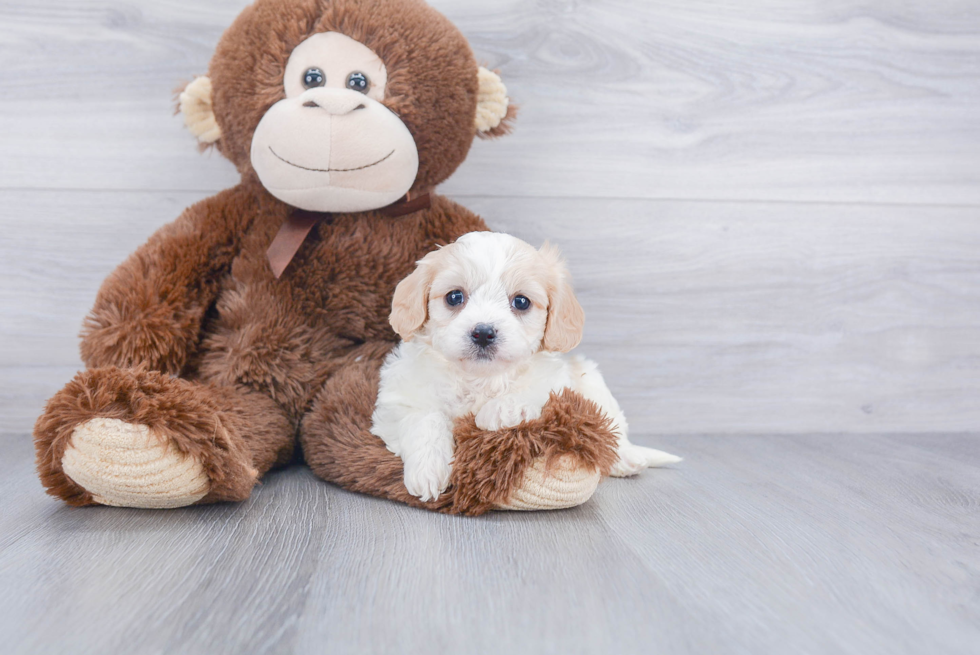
(566, 483)
(127, 465)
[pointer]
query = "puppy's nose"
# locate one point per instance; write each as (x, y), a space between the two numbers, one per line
(483, 335)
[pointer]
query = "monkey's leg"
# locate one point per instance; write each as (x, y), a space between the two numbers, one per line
(138, 438)
(548, 463)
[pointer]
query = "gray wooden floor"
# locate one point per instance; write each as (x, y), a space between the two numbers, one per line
(767, 544)
(772, 211)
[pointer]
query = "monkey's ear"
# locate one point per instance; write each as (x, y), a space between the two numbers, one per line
(195, 105)
(494, 111)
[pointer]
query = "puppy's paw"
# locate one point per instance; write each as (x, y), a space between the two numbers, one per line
(633, 459)
(426, 479)
(505, 412)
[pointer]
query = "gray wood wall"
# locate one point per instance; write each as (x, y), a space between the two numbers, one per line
(772, 208)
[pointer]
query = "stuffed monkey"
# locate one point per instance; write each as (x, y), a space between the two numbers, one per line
(248, 333)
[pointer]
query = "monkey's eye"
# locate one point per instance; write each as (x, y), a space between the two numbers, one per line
(520, 303)
(357, 81)
(314, 77)
(455, 297)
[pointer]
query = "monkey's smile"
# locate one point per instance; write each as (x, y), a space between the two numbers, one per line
(331, 170)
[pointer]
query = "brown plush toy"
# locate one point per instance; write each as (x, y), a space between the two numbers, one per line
(258, 320)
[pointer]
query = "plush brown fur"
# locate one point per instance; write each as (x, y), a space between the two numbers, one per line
(151, 309)
(194, 337)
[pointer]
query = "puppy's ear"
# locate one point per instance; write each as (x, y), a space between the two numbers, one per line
(409, 307)
(566, 318)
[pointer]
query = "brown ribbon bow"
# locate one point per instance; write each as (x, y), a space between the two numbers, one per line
(298, 224)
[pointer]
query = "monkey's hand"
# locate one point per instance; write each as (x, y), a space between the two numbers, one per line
(149, 311)
(129, 327)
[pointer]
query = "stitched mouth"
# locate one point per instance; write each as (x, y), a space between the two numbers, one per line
(330, 170)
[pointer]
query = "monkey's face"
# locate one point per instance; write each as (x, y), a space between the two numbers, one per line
(346, 105)
(330, 144)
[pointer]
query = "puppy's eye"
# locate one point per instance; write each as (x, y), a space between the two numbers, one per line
(455, 297)
(357, 81)
(313, 77)
(520, 303)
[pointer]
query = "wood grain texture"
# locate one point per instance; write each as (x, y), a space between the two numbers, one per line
(805, 544)
(807, 100)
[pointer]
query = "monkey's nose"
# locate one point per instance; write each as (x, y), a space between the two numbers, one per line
(335, 102)
(483, 335)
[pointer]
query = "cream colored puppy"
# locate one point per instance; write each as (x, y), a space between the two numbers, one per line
(483, 323)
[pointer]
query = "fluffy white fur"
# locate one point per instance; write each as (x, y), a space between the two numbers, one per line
(440, 372)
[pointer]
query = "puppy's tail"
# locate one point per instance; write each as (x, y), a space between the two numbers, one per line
(659, 458)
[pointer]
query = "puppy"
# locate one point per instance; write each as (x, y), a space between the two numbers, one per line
(483, 323)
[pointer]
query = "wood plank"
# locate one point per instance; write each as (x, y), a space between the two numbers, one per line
(809, 544)
(812, 543)
(704, 317)
(810, 100)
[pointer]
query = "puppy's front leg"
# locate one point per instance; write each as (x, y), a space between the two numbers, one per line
(427, 452)
(511, 409)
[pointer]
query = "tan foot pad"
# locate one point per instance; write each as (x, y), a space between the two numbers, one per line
(566, 484)
(125, 465)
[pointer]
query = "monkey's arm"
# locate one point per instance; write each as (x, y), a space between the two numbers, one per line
(150, 309)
